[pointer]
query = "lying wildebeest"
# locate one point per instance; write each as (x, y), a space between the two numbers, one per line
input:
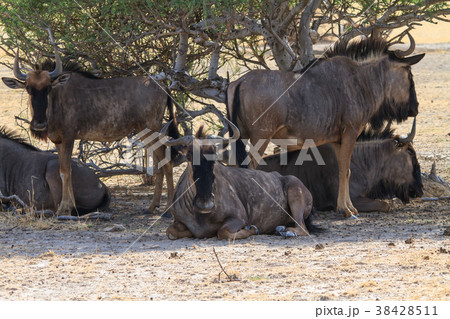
(33, 175)
(330, 101)
(216, 200)
(382, 167)
(71, 105)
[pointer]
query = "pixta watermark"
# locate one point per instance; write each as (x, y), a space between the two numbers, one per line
(140, 149)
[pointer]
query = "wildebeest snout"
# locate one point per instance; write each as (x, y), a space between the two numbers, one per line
(38, 126)
(204, 206)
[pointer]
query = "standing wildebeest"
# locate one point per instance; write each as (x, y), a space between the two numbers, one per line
(70, 105)
(216, 200)
(382, 167)
(33, 175)
(330, 101)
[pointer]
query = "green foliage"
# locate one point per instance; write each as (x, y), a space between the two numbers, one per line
(95, 31)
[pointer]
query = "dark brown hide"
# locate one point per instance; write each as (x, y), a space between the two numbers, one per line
(380, 169)
(216, 200)
(330, 102)
(74, 106)
(33, 175)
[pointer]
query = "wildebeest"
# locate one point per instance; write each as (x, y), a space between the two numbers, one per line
(330, 101)
(215, 200)
(33, 175)
(69, 105)
(382, 166)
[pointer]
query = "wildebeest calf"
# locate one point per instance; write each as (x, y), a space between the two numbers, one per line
(212, 199)
(33, 175)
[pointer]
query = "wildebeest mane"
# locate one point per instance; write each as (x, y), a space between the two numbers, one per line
(368, 49)
(359, 50)
(15, 137)
(68, 66)
(370, 134)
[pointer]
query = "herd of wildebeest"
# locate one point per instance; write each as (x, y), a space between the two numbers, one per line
(343, 101)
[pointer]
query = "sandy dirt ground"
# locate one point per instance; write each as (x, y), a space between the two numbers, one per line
(402, 255)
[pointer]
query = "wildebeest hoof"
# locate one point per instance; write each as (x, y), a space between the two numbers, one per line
(166, 215)
(171, 236)
(280, 229)
(287, 234)
(153, 209)
(354, 217)
(64, 209)
(252, 226)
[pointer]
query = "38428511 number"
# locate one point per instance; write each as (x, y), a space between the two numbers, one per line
(406, 310)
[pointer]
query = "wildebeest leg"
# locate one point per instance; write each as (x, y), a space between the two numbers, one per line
(300, 204)
(53, 178)
(158, 155)
(65, 162)
(344, 154)
(234, 229)
(178, 230)
(168, 172)
(364, 204)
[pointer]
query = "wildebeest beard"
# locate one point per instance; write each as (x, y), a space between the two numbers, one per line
(39, 135)
(400, 112)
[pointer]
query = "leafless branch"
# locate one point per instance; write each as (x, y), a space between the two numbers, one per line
(233, 277)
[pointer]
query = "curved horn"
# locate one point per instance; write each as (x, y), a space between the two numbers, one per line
(411, 135)
(185, 140)
(402, 54)
(236, 133)
(225, 141)
(58, 66)
(16, 69)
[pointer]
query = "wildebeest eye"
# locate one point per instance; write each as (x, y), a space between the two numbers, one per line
(28, 88)
(48, 89)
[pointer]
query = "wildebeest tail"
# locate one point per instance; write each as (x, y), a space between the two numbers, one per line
(175, 156)
(173, 128)
(241, 153)
(313, 229)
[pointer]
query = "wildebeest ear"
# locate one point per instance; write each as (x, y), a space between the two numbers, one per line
(13, 83)
(398, 143)
(61, 79)
(413, 59)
